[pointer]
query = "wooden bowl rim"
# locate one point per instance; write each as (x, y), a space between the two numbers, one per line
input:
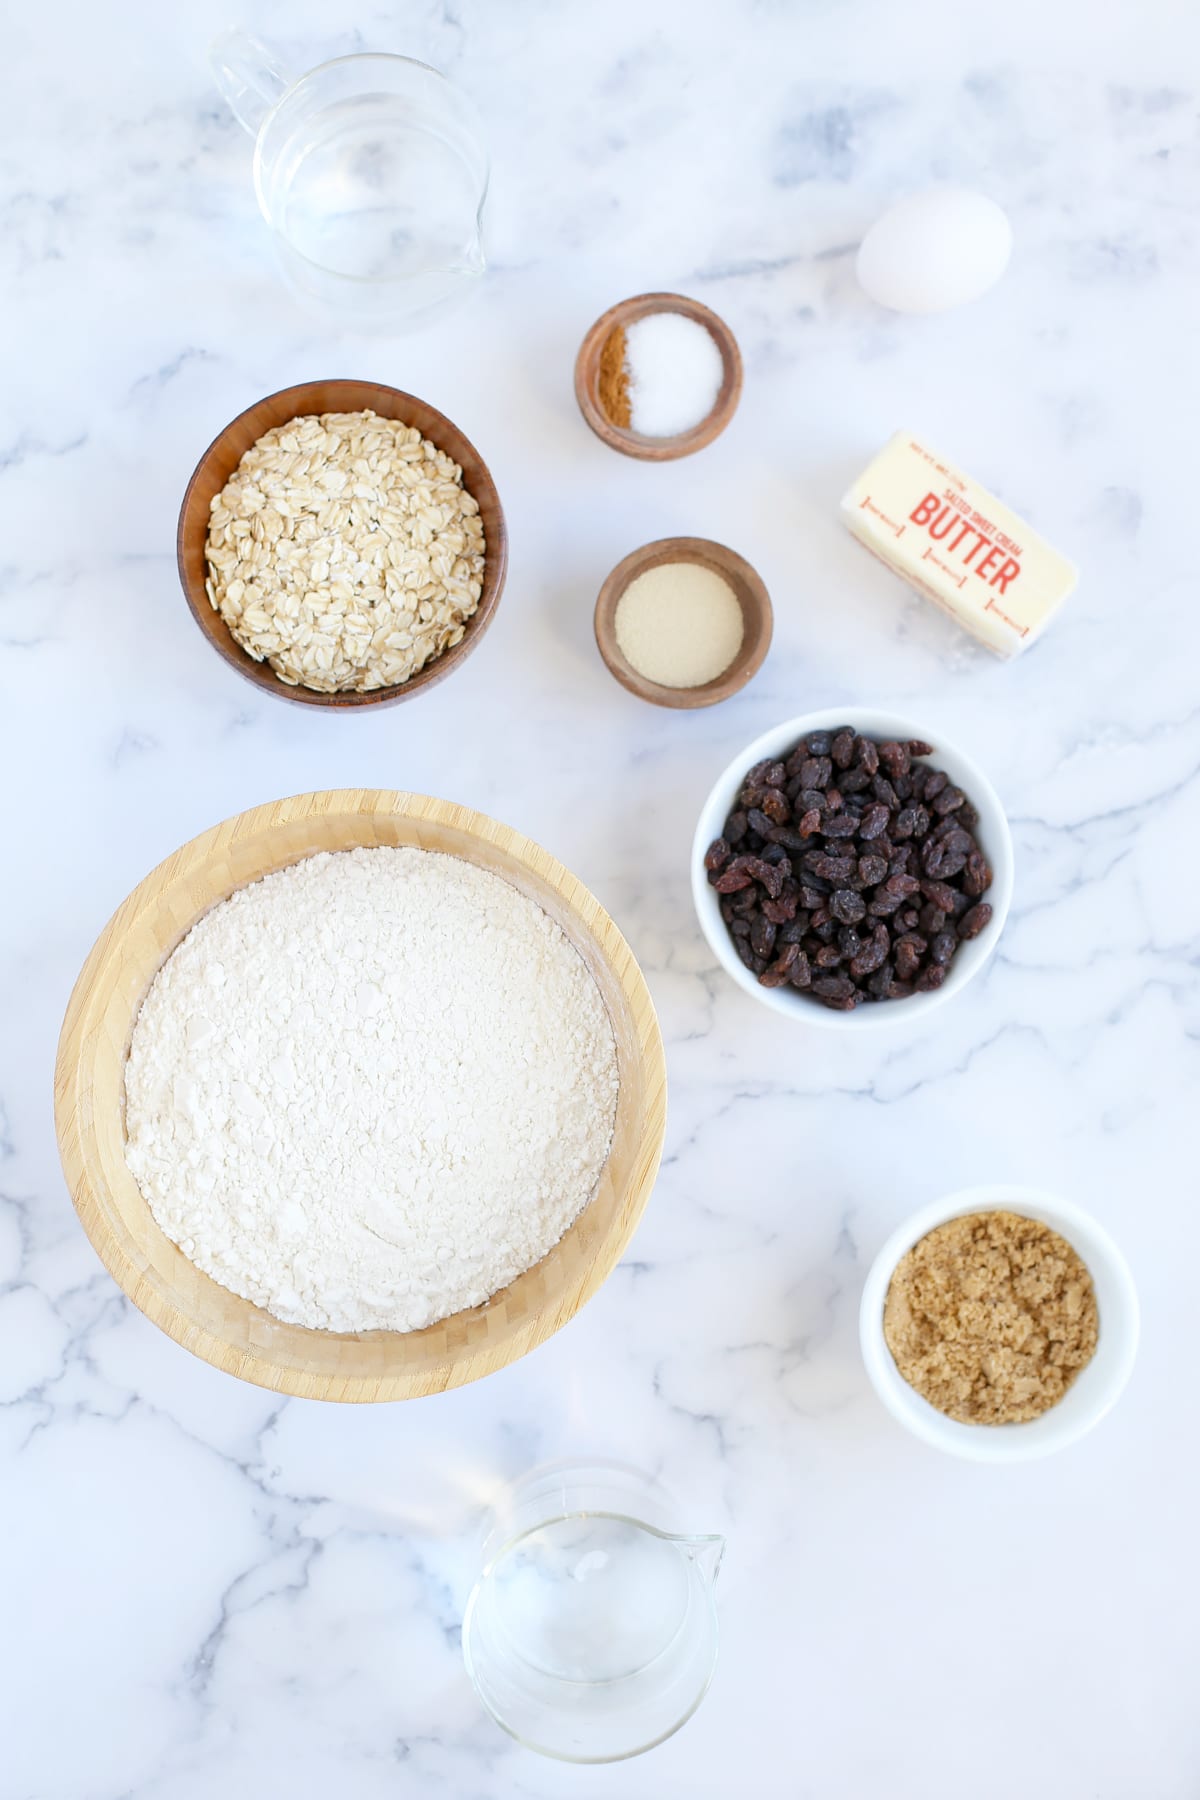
(495, 556)
(634, 443)
(757, 613)
(84, 1169)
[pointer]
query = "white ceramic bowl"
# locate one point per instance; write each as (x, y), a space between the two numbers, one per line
(1094, 1390)
(992, 833)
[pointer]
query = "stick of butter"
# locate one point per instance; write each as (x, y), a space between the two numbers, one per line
(958, 545)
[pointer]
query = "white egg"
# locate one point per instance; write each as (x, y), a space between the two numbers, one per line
(934, 250)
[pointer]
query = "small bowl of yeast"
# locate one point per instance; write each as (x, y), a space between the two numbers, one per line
(683, 622)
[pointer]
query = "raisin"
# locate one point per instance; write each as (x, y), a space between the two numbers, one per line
(881, 981)
(938, 894)
(801, 975)
(855, 781)
(838, 869)
(874, 954)
(850, 867)
(760, 774)
(909, 951)
(977, 878)
(762, 936)
(781, 968)
(841, 748)
(885, 904)
(902, 885)
(895, 758)
(975, 921)
(833, 987)
(942, 947)
(847, 907)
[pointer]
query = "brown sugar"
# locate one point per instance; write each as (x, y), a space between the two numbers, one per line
(613, 385)
(990, 1317)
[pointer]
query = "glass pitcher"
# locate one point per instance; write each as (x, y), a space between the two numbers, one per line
(371, 172)
(591, 1633)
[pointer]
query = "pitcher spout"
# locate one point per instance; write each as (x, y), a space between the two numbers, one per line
(706, 1552)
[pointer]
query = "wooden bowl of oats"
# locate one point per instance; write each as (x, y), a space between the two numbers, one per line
(334, 584)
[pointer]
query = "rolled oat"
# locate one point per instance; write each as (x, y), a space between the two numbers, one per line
(345, 552)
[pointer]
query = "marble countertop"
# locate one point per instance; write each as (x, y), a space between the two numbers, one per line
(205, 1590)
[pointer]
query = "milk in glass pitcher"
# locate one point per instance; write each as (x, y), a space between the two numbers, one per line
(371, 172)
(591, 1633)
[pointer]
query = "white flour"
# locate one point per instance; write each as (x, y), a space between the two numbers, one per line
(370, 1089)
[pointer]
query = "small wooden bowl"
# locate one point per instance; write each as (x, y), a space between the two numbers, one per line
(222, 458)
(633, 443)
(234, 1334)
(758, 619)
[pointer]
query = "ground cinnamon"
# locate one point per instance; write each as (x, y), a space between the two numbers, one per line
(614, 379)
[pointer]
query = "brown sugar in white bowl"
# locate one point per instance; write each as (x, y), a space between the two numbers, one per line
(232, 1333)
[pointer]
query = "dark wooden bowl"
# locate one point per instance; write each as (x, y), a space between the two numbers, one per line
(758, 619)
(222, 458)
(633, 443)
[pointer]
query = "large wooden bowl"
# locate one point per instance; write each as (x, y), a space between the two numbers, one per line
(233, 1333)
(226, 452)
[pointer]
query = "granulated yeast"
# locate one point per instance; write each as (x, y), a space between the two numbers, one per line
(370, 1089)
(991, 1317)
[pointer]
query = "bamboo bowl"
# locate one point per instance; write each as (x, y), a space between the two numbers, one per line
(226, 452)
(232, 1333)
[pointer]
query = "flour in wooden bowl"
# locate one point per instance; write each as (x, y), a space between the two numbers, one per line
(369, 1090)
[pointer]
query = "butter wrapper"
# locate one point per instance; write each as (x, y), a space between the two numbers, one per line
(958, 545)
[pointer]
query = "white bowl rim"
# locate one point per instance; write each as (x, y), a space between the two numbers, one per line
(878, 722)
(1085, 1402)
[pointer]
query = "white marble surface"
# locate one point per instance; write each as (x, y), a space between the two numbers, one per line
(205, 1591)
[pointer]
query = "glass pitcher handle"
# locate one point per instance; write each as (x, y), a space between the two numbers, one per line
(248, 76)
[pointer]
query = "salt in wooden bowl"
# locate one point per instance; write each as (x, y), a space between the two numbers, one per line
(634, 443)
